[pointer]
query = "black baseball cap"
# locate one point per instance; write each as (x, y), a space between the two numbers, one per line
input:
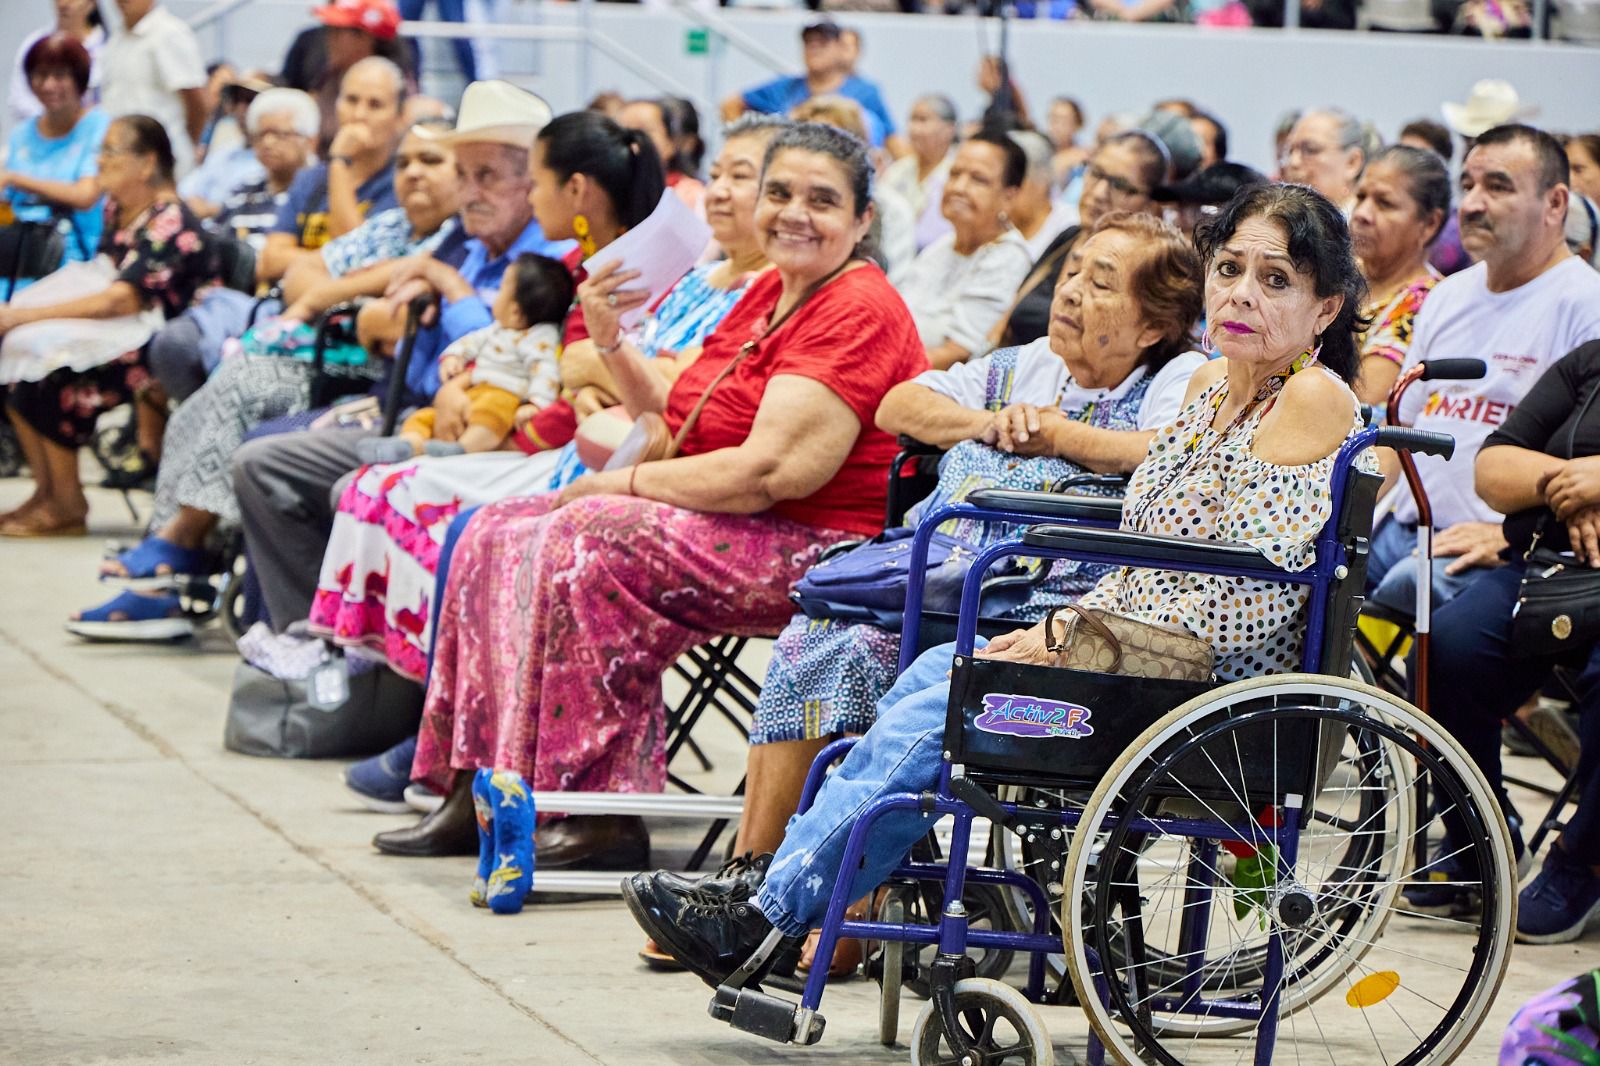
(826, 28)
(1215, 184)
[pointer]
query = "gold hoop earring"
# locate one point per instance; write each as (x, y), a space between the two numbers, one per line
(580, 227)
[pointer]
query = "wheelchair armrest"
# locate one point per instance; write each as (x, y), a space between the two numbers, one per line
(1116, 482)
(1049, 504)
(1147, 549)
(910, 446)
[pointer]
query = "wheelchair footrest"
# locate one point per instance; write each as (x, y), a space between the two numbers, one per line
(753, 1011)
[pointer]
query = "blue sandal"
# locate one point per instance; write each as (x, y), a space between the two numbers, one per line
(144, 618)
(141, 565)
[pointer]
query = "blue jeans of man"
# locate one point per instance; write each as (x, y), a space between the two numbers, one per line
(900, 753)
(449, 11)
(1392, 570)
(1476, 680)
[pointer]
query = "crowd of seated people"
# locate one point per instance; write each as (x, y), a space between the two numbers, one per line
(1038, 304)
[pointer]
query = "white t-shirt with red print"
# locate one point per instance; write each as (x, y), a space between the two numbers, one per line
(1518, 334)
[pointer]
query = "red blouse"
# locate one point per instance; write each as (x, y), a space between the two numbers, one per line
(856, 337)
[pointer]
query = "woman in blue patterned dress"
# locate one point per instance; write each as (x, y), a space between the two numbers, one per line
(1087, 397)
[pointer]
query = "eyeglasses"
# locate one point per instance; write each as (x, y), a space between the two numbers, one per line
(1304, 149)
(279, 135)
(1120, 186)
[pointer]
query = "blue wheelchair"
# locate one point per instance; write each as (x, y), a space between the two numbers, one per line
(1216, 867)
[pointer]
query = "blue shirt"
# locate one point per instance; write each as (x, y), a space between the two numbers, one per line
(781, 95)
(222, 175)
(65, 159)
(305, 214)
(460, 317)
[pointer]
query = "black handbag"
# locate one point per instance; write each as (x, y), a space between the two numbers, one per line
(1558, 606)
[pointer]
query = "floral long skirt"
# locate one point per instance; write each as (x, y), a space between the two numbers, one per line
(377, 583)
(557, 623)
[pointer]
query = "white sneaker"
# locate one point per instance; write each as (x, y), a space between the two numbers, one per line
(422, 799)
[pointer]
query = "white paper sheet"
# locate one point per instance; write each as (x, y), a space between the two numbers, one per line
(662, 248)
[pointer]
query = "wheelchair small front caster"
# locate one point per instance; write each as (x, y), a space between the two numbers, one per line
(999, 1024)
(890, 965)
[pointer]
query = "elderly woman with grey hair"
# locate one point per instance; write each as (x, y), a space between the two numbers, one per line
(960, 285)
(1039, 215)
(1326, 150)
(920, 176)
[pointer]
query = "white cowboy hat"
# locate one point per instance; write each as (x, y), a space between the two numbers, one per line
(1492, 103)
(494, 112)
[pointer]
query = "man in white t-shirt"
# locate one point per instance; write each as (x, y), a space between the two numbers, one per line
(1522, 306)
(152, 67)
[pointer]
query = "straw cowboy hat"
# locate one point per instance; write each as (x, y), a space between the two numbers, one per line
(495, 112)
(1492, 103)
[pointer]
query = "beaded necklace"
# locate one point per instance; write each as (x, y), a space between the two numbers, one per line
(1268, 391)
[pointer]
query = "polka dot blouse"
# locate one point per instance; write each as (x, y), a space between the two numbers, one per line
(1206, 483)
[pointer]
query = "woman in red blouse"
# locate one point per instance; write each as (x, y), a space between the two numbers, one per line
(562, 611)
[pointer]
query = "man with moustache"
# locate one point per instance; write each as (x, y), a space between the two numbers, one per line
(1525, 303)
(284, 482)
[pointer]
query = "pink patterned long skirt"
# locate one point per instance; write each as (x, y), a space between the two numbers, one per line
(557, 624)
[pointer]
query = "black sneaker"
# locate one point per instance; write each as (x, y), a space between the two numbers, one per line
(748, 870)
(1450, 885)
(711, 929)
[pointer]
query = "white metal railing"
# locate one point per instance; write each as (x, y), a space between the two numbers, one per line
(583, 35)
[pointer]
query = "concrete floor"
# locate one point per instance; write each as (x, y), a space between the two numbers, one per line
(164, 901)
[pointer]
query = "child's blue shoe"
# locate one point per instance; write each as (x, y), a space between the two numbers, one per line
(506, 822)
(483, 807)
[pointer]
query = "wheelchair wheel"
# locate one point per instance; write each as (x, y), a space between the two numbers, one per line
(1172, 864)
(891, 973)
(995, 1017)
(1043, 856)
(230, 598)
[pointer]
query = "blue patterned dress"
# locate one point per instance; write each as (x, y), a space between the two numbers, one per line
(827, 675)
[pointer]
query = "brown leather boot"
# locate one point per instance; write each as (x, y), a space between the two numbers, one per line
(450, 830)
(592, 842)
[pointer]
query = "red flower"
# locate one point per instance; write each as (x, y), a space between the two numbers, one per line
(165, 225)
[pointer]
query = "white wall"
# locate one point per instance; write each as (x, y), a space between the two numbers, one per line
(1248, 78)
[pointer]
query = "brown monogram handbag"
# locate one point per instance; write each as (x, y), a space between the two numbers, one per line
(1105, 643)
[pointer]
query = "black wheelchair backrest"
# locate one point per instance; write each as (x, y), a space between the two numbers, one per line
(30, 250)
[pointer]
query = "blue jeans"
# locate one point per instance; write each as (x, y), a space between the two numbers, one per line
(1477, 680)
(449, 11)
(1392, 570)
(900, 753)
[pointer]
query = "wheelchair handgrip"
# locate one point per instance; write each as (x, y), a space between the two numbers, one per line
(1049, 504)
(1453, 369)
(1417, 440)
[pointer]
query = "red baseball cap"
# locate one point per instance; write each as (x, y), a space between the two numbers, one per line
(377, 17)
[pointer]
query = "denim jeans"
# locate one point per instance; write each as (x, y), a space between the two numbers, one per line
(449, 11)
(900, 753)
(1392, 570)
(1477, 680)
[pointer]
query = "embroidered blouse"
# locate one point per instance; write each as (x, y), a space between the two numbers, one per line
(1389, 336)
